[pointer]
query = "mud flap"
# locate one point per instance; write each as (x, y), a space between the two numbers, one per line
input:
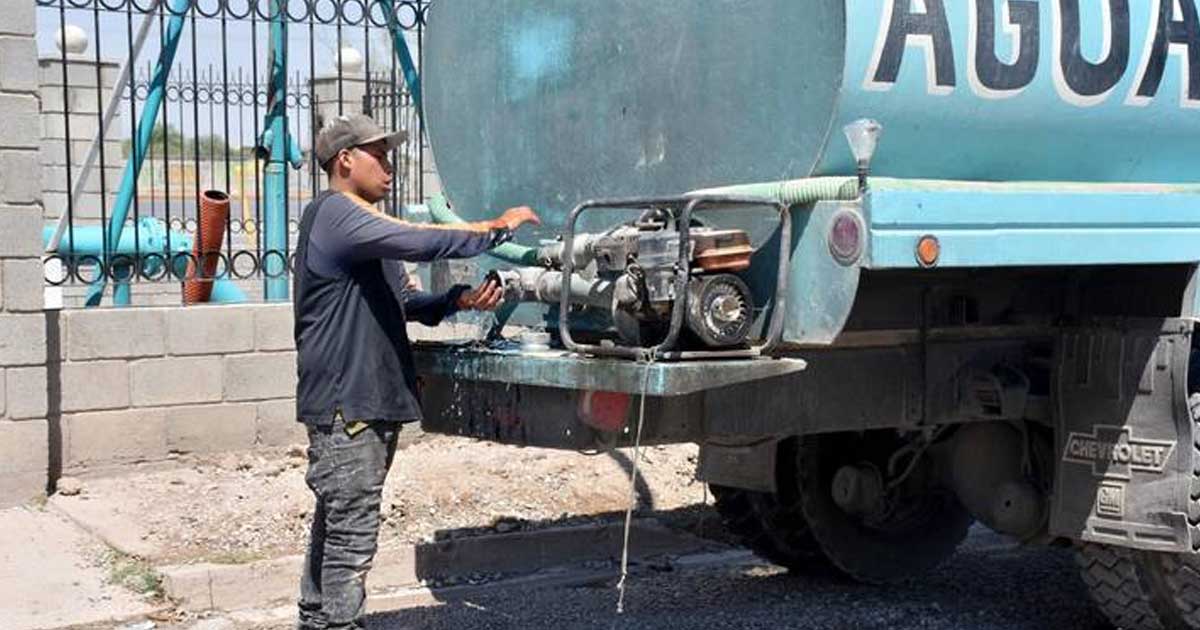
(745, 466)
(1124, 434)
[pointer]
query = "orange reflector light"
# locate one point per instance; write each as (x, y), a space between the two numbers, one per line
(928, 250)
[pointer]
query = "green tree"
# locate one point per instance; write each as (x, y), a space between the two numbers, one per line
(177, 145)
(174, 140)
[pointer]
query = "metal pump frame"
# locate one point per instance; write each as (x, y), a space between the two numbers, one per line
(681, 209)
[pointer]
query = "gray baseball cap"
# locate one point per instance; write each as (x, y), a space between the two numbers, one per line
(345, 132)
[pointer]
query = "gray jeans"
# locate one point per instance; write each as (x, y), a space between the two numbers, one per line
(346, 474)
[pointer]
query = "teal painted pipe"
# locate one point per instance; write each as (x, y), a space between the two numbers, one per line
(409, 69)
(275, 282)
(294, 156)
(508, 252)
(224, 291)
(149, 238)
(122, 290)
(158, 83)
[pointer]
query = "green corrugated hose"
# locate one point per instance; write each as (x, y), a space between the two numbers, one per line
(793, 192)
(513, 253)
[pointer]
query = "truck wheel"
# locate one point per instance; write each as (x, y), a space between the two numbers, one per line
(1147, 590)
(763, 524)
(870, 532)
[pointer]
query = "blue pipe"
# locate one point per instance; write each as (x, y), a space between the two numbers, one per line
(409, 69)
(151, 239)
(278, 141)
(133, 168)
(122, 289)
(88, 241)
(224, 291)
(294, 156)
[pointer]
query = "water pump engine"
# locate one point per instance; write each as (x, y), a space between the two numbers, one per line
(632, 272)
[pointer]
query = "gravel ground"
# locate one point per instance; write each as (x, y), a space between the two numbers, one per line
(444, 486)
(240, 507)
(990, 584)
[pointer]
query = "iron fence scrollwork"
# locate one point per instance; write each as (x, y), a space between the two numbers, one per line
(213, 118)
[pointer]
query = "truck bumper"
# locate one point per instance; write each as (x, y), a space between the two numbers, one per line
(559, 400)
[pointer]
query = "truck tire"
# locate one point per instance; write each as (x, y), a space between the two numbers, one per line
(763, 524)
(919, 537)
(1147, 590)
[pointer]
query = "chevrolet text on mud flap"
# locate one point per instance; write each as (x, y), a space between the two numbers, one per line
(1174, 31)
(1113, 452)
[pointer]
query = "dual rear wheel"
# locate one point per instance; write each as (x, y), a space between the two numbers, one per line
(835, 509)
(1147, 590)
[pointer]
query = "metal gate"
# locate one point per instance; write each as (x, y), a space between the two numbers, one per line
(149, 104)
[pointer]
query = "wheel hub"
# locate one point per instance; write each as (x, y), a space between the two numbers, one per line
(858, 489)
(868, 531)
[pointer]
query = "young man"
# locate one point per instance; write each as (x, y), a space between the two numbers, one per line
(357, 382)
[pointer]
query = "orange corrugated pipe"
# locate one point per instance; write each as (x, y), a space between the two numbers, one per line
(206, 247)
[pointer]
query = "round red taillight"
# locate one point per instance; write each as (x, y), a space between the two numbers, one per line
(846, 237)
(606, 411)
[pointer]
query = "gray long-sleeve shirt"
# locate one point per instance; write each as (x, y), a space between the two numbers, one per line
(352, 302)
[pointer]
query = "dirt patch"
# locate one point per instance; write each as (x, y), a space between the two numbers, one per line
(240, 507)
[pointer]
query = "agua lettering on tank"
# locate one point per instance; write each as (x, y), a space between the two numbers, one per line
(924, 27)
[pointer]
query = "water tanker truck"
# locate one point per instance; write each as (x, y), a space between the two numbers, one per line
(895, 265)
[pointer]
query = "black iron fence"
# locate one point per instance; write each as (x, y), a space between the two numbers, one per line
(148, 104)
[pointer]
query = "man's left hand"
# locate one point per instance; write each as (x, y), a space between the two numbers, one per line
(485, 297)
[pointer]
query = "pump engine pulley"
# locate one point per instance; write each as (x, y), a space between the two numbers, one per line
(720, 310)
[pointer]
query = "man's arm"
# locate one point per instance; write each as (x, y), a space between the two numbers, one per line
(431, 308)
(353, 232)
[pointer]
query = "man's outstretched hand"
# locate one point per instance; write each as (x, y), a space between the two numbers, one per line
(514, 218)
(485, 297)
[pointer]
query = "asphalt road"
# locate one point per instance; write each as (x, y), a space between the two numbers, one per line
(989, 584)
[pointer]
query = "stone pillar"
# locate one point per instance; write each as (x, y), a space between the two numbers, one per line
(24, 429)
(326, 98)
(77, 109)
(433, 183)
(353, 89)
(325, 91)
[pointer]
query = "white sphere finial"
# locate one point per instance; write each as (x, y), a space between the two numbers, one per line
(352, 60)
(73, 38)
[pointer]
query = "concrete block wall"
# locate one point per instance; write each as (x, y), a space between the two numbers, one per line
(25, 433)
(139, 384)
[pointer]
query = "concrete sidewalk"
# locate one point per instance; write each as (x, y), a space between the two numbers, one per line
(63, 567)
(218, 537)
(53, 574)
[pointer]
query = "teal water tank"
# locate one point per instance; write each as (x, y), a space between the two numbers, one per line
(549, 102)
